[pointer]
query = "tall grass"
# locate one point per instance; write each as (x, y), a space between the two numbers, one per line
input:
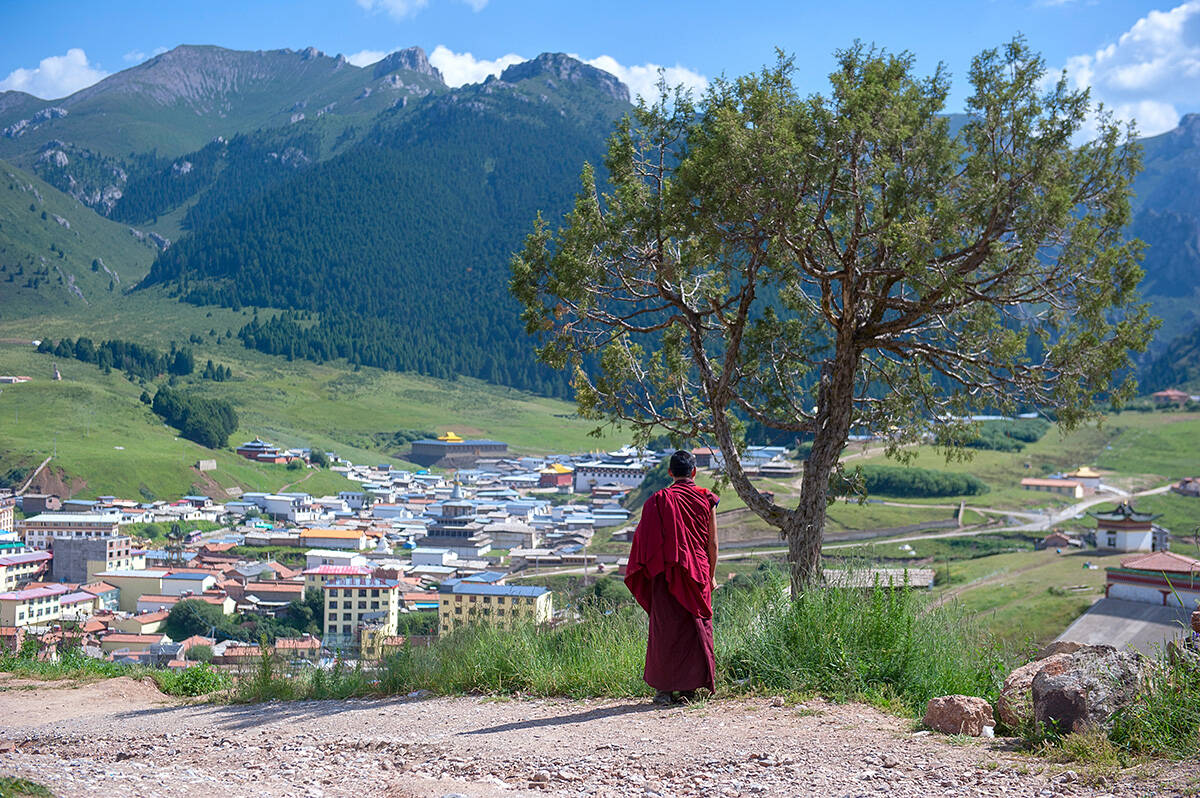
(1164, 718)
(877, 644)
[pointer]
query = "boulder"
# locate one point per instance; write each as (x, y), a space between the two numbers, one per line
(1015, 703)
(1196, 621)
(1058, 647)
(1083, 692)
(959, 714)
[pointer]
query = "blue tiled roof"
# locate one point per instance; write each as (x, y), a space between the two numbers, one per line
(468, 589)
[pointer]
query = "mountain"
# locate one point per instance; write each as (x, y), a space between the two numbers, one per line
(97, 141)
(370, 212)
(1167, 218)
(56, 253)
(408, 268)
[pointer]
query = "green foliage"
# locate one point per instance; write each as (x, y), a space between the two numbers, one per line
(200, 653)
(194, 617)
(1010, 435)
(134, 359)
(879, 645)
(334, 258)
(16, 787)
(910, 482)
(193, 680)
(821, 263)
(1164, 719)
(208, 422)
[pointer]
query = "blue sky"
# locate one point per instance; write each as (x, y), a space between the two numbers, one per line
(1140, 57)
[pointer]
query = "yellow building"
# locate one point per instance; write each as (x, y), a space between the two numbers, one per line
(17, 569)
(315, 578)
(133, 585)
(32, 607)
(355, 603)
(499, 605)
(343, 539)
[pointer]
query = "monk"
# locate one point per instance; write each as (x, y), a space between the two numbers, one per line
(672, 573)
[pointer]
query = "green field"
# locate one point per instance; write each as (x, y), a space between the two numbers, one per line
(1028, 597)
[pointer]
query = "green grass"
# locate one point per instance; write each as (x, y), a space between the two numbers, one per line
(73, 665)
(88, 414)
(890, 648)
(14, 787)
(1164, 719)
(1028, 597)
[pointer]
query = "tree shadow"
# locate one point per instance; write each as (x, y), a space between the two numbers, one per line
(565, 720)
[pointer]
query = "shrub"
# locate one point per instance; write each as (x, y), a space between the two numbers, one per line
(911, 482)
(192, 681)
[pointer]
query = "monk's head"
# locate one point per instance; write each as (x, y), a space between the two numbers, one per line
(683, 464)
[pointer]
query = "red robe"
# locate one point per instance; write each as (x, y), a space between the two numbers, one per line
(669, 575)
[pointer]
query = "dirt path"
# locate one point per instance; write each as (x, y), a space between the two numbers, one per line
(121, 738)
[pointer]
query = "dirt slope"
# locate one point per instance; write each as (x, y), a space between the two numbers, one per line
(122, 738)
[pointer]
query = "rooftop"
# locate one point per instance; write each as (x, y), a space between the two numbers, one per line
(33, 593)
(1124, 512)
(469, 589)
(1167, 561)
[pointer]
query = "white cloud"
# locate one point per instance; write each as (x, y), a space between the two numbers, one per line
(56, 76)
(642, 79)
(461, 68)
(403, 9)
(1151, 70)
(366, 57)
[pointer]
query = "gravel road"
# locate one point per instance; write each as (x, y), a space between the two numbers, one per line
(123, 738)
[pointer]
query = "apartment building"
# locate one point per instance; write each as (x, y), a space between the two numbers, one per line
(40, 530)
(464, 602)
(17, 569)
(353, 603)
(33, 606)
(80, 559)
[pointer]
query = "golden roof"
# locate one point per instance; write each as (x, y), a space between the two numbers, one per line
(450, 437)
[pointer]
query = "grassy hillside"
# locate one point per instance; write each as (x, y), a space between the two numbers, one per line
(49, 244)
(89, 414)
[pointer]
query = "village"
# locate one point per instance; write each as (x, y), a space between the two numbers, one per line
(411, 555)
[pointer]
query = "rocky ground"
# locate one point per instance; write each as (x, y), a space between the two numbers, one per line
(124, 738)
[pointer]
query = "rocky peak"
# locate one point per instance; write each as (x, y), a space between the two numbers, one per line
(560, 66)
(412, 59)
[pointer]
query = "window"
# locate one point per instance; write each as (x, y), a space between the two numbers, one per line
(499, 599)
(374, 605)
(472, 599)
(374, 594)
(333, 605)
(1112, 540)
(500, 611)
(347, 630)
(458, 610)
(487, 599)
(362, 605)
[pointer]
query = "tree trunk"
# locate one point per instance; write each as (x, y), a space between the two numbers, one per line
(805, 530)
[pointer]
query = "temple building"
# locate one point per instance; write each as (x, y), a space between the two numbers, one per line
(1125, 529)
(453, 451)
(1161, 578)
(456, 528)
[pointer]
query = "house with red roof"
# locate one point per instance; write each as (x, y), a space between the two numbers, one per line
(1164, 578)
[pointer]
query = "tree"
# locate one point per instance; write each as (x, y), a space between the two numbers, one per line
(827, 263)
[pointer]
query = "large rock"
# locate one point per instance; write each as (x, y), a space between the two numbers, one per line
(959, 714)
(1196, 621)
(1084, 692)
(1015, 703)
